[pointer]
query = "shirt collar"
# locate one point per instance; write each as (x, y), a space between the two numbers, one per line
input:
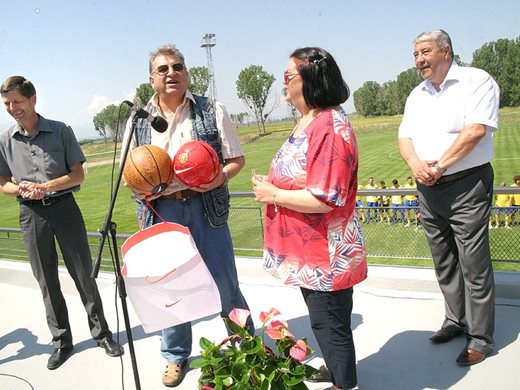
(43, 125)
(187, 96)
(453, 75)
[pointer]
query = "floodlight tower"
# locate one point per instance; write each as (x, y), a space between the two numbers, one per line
(208, 41)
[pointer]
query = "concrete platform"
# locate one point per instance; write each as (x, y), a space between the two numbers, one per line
(395, 312)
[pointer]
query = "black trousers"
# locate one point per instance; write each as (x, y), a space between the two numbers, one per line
(455, 217)
(62, 221)
(330, 312)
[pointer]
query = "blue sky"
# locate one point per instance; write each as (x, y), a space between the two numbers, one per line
(85, 54)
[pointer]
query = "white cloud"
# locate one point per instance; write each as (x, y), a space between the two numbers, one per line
(97, 103)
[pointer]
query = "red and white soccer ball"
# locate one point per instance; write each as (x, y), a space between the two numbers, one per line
(196, 163)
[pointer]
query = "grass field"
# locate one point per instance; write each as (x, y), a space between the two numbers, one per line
(379, 157)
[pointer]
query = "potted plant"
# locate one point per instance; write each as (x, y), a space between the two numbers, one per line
(244, 362)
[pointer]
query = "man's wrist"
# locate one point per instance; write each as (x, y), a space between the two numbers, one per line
(226, 179)
(439, 169)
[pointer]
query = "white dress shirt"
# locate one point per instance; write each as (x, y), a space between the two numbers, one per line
(433, 120)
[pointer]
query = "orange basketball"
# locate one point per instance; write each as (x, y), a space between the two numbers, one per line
(148, 170)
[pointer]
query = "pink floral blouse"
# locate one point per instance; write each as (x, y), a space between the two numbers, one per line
(318, 251)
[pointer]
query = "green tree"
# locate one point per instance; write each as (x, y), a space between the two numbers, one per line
(406, 82)
(253, 87)
(458, 60)
(512, 71)
(501, 59)
(112, 120)
(239, 118)
(387, 99)
(365, 98)
(143, 94)
(199, 79)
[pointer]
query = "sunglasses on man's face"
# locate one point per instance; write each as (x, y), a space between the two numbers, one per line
(163, 69)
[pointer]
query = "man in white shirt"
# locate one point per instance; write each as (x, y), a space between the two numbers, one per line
(446, 139)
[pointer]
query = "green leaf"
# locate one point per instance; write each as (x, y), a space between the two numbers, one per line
(199, 363)
(252, 346)
(228, 381)
(206, 345)
(310, 371)
(239, 369)
(235, 329)
(223, 372)
(291, 380)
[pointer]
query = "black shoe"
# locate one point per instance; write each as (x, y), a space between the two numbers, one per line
(58, 357)
(323, 375)
(444, 335)
(111, 347)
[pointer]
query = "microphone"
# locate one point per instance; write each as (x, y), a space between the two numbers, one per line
(158, 123)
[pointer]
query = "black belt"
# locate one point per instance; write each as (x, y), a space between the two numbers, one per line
(181, 195)
(47, 201)
(459, 175)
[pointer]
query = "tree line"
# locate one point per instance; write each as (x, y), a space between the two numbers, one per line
(501, 59)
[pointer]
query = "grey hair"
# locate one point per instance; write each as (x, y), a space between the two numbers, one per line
(168, 50)
(439, 37)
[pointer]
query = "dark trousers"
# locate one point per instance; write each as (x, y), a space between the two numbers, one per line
(62, 221)
(455, 217)
(330, 312)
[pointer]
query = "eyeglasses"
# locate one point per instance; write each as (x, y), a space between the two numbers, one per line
(163, 69)
(288, 76)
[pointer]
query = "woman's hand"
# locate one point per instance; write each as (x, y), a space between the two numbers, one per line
(265, 192)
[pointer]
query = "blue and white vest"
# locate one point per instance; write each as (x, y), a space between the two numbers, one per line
(202, 114)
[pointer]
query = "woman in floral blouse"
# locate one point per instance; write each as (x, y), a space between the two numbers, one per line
(312, 235)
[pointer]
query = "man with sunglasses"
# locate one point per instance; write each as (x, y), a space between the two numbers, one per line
(41, 164)
(204, 210)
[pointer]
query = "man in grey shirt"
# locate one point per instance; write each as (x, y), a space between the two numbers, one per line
(41, 164)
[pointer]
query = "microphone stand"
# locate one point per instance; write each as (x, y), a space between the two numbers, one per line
(110, 226)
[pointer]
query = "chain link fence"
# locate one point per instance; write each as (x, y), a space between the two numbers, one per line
(389, 234)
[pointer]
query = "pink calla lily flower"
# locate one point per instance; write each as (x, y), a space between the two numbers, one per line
(299, 350)
(277, 329)
(267, 316)
(239, 316)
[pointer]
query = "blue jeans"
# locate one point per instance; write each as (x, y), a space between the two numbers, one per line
(216, 248)
(371, 208)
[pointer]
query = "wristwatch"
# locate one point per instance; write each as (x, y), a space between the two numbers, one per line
(439, 169)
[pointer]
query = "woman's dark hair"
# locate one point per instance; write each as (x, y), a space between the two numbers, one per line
(20, 83)
(323, 85)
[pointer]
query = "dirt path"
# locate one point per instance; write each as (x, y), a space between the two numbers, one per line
(98, 163)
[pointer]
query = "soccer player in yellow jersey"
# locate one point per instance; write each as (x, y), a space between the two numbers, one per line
(384, 205)
(503, 203)
(371, 200)
(411, 203)
(359, 204)
(515, 200)
(397, 203)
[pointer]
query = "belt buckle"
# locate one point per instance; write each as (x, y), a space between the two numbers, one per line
(47, 201)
